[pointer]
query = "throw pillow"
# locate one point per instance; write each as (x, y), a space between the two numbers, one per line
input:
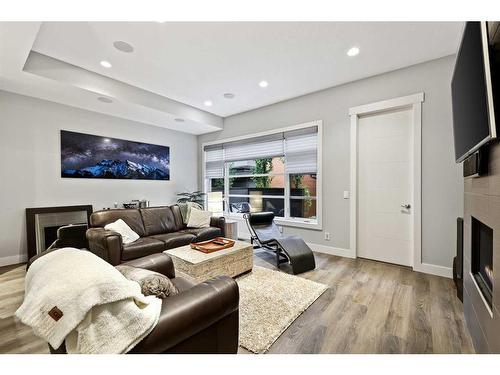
(186, 209)
(121, 227)
(199, 218)
(152, 283)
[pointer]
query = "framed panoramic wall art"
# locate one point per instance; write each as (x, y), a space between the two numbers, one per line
(92, 156)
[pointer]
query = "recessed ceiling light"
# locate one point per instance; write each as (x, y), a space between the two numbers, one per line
(207, 103)
(120, 45)
(229, 95)
(353, 51)
(104, 99)
(263, 84)
(106, 64)
(179, 119)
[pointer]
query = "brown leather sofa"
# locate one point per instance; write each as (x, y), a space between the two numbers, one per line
(159, 228)
(201, 319)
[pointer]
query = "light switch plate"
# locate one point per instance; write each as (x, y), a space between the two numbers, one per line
(346, 194)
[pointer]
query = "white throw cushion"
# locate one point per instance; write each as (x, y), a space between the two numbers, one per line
(199, 218)
(119, 226)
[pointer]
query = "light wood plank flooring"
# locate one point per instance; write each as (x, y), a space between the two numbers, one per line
(370, 307)
(14, 336)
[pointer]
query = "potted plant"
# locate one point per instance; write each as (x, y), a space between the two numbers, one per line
(196, 196)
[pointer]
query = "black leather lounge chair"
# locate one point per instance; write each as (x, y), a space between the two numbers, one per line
(292, 249)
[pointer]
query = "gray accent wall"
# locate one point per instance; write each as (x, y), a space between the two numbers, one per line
(442, 184)
(30, 164)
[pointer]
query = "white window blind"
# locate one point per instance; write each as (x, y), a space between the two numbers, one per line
(214, 162)
(300, 148)
(255, 148)
(301, 151)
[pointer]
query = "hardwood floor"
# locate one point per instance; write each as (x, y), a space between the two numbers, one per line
(370, 307)
(15, 337)
(374, 307)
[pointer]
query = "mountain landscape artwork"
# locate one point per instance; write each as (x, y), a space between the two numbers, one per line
(91, 156)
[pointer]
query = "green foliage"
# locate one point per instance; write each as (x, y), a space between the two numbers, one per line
(195, 196)
(262, 166)
(297, 180)
(232, 179)
(308, 200)
(218, 183)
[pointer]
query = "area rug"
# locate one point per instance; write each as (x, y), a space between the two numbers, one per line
(269, 302)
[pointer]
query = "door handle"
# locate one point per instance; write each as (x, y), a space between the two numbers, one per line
(407, 206)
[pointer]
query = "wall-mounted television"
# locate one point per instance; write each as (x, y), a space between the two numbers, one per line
(472, 92)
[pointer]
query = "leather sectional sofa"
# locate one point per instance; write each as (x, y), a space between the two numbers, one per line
(159, 228)
(201, 319)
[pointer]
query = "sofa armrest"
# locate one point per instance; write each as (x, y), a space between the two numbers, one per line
(39, 255)
(190, 312)
(105, 244)
(219, 222)
(161, 263)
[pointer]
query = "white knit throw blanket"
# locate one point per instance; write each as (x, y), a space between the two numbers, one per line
(74, 295)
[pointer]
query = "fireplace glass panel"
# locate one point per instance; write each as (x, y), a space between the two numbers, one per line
(482, 258)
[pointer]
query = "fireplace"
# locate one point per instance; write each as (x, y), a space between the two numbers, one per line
(482, 258)
(42, 224)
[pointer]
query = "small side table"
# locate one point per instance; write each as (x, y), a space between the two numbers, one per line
(231, 229)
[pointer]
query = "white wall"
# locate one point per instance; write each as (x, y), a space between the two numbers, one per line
(442, 184)
(30, 160)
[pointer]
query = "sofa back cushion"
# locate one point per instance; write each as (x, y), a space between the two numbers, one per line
(179, 222)
(132, 217)
(159, 220)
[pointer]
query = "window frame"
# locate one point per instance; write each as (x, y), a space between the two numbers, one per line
(315, 224)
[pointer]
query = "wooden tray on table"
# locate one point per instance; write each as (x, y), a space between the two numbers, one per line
(216, 244)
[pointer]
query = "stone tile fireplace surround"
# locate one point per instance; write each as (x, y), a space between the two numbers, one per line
(482, 202)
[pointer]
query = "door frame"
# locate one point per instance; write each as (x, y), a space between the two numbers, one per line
(413, 103)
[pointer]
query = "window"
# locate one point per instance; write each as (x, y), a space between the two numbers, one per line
(217, 184)
(257, 185)
(303, 195)
(274, 172)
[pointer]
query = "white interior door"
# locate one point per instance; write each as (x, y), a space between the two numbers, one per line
(384, 226)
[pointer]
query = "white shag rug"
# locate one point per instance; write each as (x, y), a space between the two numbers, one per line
(269, 302)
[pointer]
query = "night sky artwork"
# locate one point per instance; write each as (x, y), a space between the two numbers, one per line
(91, 156)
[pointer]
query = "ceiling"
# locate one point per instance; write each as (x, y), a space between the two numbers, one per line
(189, 63)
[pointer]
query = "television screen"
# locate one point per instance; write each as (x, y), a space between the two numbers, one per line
(473, 122)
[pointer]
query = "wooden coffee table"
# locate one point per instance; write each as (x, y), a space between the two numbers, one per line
(200, 267)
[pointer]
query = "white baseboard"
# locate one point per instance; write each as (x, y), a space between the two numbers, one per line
(14, 259)
(331, 250)
(431, 269)
(434, 270)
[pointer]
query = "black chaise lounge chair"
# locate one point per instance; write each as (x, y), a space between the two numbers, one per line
(265, 233)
